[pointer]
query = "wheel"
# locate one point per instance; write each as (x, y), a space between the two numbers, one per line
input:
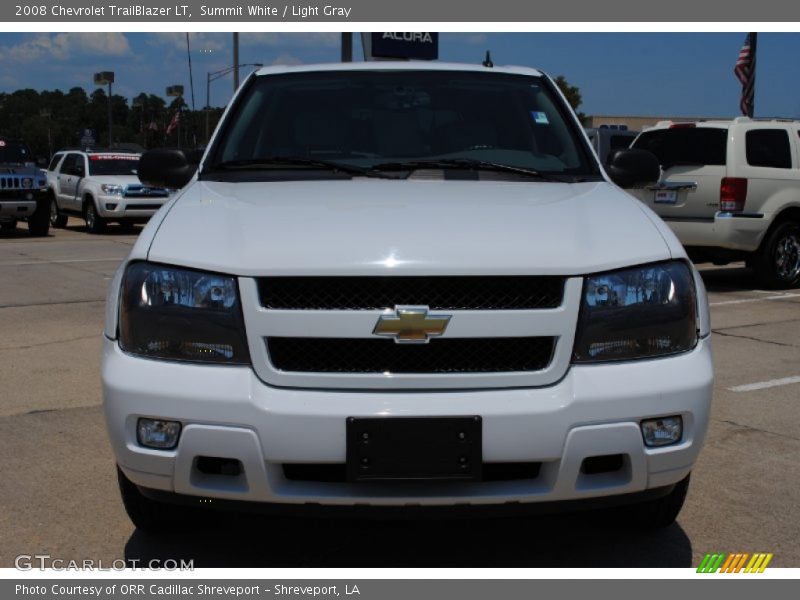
(57, 218)
(39, 221)
(150, 515)
(94, 223)
(777, 263)
(8, 225)
(657, 514)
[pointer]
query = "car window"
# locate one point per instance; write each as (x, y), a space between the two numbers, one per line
(686, 145)
(54, 163)
(67, 165)
(768, 148)
(365, 118)
(113, 164)
(620, 141)
(14, 152)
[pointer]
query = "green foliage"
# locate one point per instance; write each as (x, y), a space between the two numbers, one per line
(572, 93)
(32, 116)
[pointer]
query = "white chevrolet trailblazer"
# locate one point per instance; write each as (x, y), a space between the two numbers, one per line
(404, 288)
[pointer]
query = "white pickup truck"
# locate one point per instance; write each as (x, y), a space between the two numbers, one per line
(404, 287)
(101, 187)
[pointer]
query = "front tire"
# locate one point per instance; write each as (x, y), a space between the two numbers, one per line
(150, 515)
(94, 222)
(57, 218)
(39, 221)
(777, 263)
(660, 513)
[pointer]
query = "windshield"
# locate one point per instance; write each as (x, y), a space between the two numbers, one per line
(113, 164)
(369, 119)
(14, 152)
(686, 145)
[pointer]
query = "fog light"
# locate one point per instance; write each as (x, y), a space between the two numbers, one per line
(111, 206)
(154, 433)
(662, 431)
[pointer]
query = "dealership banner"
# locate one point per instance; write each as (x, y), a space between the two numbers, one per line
(731, 588)
(407, 11)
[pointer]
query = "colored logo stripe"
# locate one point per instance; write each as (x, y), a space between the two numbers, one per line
(735, 562)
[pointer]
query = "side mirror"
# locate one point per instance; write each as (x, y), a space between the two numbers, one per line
(629, 167)
(166, 168)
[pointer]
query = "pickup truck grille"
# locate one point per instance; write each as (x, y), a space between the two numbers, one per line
(451, 355)
(438, 293)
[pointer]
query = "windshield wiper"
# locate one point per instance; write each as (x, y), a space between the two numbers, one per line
(297, 161)
(466, 164)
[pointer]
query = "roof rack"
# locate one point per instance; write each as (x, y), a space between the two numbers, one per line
(764, 119)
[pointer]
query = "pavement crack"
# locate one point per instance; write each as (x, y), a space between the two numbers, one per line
(64, 341)
(754, 339)
(758, 429)
(51, 303)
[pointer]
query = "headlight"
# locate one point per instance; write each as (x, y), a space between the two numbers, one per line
(179, 314)
(112, 190)
(637, 313)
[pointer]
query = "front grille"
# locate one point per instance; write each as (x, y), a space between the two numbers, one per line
(143, 206)
(337, 472)
(451, 355)
(440, 293)
(139, 191)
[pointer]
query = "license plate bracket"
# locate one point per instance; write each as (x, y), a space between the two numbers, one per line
(414, 448)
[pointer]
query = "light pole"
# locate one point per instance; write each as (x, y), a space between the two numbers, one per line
(235, 62)
(103, 78)
(46, 113)
(213, 76)
(176, 91)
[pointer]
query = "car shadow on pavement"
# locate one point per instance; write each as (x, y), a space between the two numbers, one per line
(589, 539)
(733, 278)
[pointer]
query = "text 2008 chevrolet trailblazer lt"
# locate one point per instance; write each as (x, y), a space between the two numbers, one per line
(404, 287)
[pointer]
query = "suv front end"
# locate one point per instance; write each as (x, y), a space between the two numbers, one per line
(346, 340)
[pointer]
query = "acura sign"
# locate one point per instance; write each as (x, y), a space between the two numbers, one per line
(394, 44)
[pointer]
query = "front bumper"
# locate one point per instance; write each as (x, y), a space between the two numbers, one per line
(228, 412)
(114, 207)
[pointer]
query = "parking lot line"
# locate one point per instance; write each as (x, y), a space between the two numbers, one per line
(748, 300)
(762, 385)
(58, 262)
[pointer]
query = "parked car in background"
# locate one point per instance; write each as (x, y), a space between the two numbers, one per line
(101, 187)
(23, 194)
(604, 140)
(730, 190)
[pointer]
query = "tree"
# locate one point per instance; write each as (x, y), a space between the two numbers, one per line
(572, 93)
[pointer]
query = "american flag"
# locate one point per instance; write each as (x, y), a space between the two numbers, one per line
(745, 71)
(173, 124)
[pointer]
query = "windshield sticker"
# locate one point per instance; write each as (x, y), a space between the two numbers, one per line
(539, 117)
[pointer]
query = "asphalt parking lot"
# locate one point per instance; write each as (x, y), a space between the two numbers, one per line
(58, 491)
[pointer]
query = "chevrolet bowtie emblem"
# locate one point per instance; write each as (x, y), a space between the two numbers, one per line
(411, 325)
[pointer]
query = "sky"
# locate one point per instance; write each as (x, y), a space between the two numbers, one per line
(659, 74)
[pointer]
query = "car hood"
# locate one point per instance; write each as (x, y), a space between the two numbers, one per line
(376, 226)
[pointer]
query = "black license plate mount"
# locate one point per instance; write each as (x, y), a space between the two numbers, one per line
(414, 448)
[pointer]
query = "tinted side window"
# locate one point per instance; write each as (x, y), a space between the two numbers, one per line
(54, 163)
(620, 141)
(69, 162)
(686, 145)
(768, 148)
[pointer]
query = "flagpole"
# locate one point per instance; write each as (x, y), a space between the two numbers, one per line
(753, 47)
